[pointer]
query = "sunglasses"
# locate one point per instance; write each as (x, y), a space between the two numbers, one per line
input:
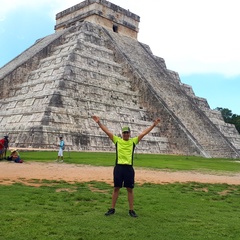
(126, 132)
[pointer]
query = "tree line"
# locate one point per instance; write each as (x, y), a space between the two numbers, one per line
(229, 117)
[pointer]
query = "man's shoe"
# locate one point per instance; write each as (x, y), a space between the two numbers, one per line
(110, 212)
(132, 213)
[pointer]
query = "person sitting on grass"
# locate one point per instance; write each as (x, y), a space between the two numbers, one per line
(15, 157)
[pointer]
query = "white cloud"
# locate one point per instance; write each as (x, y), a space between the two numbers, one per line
(196, 36)
(192, 36)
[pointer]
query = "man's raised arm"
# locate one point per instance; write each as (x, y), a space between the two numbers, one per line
(149, 129)
(104, 128)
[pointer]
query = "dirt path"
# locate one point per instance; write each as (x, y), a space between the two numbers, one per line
(16, 172)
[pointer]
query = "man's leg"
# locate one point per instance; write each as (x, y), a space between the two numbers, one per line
(115, 196)
(132, 213)
(130, 185)
(59, 154)
(114, 201)
(5, 153)
(130, 198)
(117, 183)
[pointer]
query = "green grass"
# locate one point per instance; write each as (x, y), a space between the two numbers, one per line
(170, 162)
(60, 210)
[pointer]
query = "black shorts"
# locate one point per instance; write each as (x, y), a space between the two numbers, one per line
(123, 176)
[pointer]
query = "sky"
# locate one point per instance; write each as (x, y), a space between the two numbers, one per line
(198, 39)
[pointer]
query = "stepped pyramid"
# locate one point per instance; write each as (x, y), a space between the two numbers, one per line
(94, 64)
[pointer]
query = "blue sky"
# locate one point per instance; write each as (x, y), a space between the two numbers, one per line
(198, 39)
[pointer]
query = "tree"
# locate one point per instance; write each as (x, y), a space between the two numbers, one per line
(229, 117)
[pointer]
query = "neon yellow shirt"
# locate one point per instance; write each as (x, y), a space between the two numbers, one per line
(125, 150)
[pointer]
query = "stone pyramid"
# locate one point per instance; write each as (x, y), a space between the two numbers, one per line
(94, 64)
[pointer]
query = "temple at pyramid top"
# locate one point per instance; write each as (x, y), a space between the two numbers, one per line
(102, 13)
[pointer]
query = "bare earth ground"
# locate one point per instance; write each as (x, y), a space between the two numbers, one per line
(28, 171)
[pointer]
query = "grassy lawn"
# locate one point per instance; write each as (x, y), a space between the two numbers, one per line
(59, 210)
(170, 162)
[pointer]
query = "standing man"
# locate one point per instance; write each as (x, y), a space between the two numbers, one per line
(2, 148)
(60, 151)
(123, 173)
(6, 146)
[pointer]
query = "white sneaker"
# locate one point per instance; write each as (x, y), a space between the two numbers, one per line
(61, 161)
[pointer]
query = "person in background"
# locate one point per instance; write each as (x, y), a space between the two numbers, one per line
(123, 172)
(61, 149)
(15, 157)
(6, 146)
(2, 148)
